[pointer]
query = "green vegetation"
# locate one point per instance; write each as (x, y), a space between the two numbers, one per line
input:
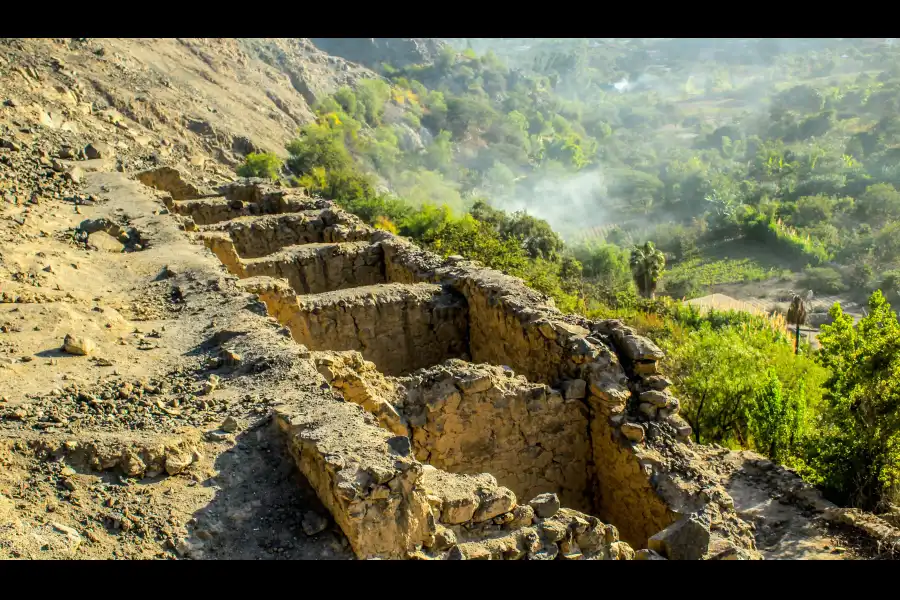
(647, 264)
(857, 452)
(265, 165)
(689, 277)
(604, 171)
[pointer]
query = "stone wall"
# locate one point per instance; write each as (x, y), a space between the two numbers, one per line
(482, 418)
(584, 414)
(239, 200)
(318, 268)
(391, 506)
(258, 236)
(398, 327)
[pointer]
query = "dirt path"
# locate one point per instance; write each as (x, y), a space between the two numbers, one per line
(69, 425)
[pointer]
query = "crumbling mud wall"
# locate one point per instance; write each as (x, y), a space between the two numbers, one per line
(242, 201)
(319, 268)
(399, 328)
(479, 418)
(392, 506)
(556, 403)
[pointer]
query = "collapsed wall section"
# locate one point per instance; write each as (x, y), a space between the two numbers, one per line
(254, 237)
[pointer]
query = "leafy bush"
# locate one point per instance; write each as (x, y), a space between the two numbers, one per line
(823, 280)
(857, 451)
(265, 165)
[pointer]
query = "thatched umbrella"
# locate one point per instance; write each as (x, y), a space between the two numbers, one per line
(797, 315)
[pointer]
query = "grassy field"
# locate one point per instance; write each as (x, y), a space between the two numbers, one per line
(736, 261)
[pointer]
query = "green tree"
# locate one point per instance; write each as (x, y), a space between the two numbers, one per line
(857, 454)
(647, 264)
(879, 202)
(318, 146)
(796, 315)
(776, 418)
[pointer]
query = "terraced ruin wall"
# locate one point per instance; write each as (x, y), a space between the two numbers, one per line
(484, 390)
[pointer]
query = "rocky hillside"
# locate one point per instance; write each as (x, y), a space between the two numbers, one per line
(201, 103)
(155, 403)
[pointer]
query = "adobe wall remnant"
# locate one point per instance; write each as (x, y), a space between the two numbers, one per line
(398, 327)
(173, 181)
(559, 404)
(389, 505)
(468, 418)
(319, 268)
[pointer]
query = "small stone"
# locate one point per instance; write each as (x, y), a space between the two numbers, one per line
(231, 359)
(647, 410)
(682, 429)
(80, 346)
(9, 145)
(523, 516)
(73, 536)
(210, 385)
(96, 150)
(655, 397)
(645, 554)
(633, 431)
(230, 425)
(176, 462)
(687, 539)
(574, 389)
(400, 445)
(217, 436)
(553, 530)
(313, 523)
(66, 152)
(495, 503)
(444, 538)
(657, 382)
(545, 505)
(76, 174)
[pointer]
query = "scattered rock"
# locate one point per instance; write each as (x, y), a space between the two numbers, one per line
(81, 346)
(76, 174)
(633, 431)
(73, 536)
(314, 523)
(210, 385)
(9, 145)
(96, 150)
(545, 505)
(687, 539)
(230, 425)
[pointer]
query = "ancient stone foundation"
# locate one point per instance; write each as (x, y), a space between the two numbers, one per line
(450, 392)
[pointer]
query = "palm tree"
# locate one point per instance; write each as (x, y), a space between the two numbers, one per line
(797, 316)
(647, 264)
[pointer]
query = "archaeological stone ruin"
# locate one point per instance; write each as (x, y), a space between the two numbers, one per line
(462, 416)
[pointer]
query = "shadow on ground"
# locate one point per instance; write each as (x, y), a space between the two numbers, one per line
(259, 507)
